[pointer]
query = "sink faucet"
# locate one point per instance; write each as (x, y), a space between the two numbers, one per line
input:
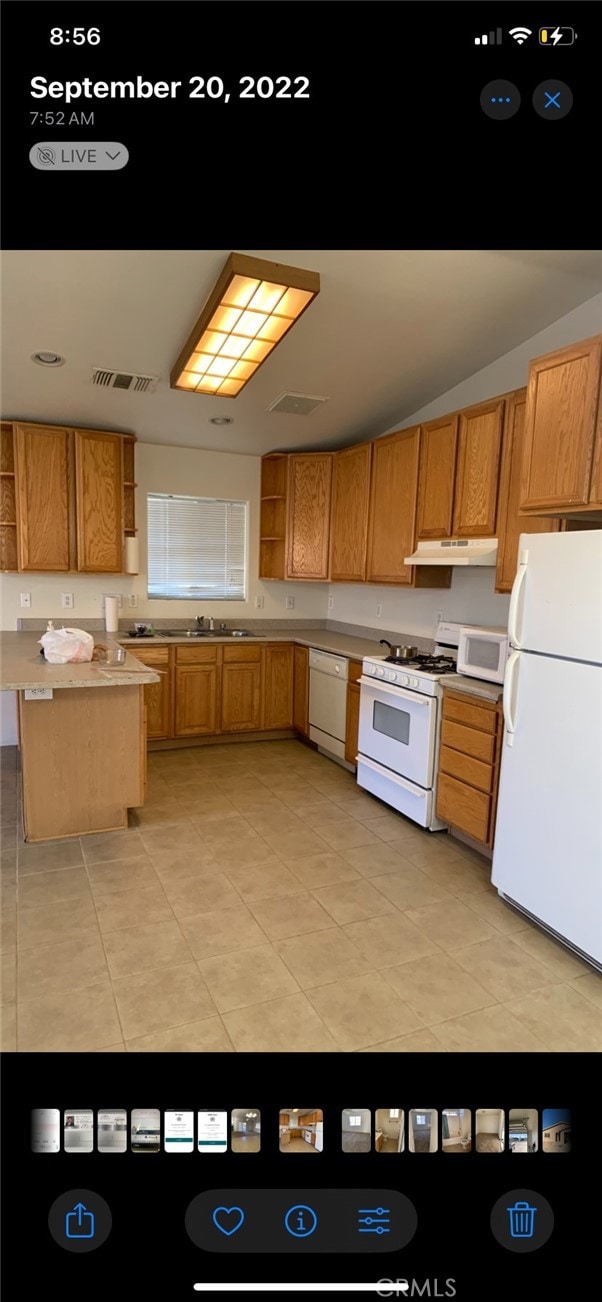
(200, 621)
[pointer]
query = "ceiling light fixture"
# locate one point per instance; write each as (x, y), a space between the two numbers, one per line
(221, 420)
(251, 308)
(48, 359)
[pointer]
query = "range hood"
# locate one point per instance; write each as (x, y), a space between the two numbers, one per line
(455, 551)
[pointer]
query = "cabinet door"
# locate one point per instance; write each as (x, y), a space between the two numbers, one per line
(510, 523)
(301, 690)
(196, 700)
(99, 498)
(560, 424)
(438, 442)
(309, 485)
(42, 464)
(156, 695)
(241, 697)
(392, 506)
(477, 474)
(352, 722)
(278, 687)
(349, 514)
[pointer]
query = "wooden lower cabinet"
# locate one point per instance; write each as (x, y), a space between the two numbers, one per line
(278, 686)
(301, 690)
(241, 694)
(196, 712)
(353, 711)
(469, 761)
(157, 695)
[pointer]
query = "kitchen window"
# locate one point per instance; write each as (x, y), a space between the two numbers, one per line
(197, 548)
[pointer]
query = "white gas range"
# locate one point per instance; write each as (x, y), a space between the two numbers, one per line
(400, 721)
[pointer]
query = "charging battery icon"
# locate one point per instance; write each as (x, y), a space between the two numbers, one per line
(557, 35)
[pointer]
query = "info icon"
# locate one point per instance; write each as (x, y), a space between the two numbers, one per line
(500, 99)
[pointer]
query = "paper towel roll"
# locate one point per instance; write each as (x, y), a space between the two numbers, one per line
(132, 555)
(111, 615)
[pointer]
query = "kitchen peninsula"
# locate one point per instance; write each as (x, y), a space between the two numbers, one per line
(82, 743)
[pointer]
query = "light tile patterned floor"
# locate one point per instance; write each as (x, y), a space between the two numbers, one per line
(261, 901)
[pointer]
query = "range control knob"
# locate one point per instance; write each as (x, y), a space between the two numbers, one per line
(391, 675)
(380, 673)
(404, 680)
(414, 682)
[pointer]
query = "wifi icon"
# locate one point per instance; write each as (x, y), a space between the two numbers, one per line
(520, 34)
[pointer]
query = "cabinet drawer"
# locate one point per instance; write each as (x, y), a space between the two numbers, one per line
(242, 654)
(469, 770)
(355, 671)
(471, 741)
(476, 716)
(157, 655)
(463, 807)
(196, 655)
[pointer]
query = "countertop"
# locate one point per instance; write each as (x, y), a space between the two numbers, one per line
(355, 648)
(22, 666)
(474, 687)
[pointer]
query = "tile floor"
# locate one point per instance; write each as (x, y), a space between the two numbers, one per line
(261, 901)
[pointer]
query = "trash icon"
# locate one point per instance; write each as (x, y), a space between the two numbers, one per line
(522, 1221)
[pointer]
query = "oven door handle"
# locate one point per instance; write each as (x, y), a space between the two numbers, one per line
(394, 778)
(398, 692)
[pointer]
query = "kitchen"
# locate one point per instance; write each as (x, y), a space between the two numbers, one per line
(301, 1130)
(285, 900)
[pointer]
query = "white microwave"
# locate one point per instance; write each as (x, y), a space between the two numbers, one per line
(483, 652)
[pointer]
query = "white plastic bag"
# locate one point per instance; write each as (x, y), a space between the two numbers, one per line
(64, 646)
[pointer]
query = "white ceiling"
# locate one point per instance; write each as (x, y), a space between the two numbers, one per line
(389, 332)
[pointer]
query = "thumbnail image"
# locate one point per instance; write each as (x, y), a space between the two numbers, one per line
(301, 1130)
(490, 1130)
(389, 1135)
(178, 1132)
(556, 1130)
(456, 1124)
(145, 1130)
(45, 1130)
(78, 1131)
(356, 1130)
(112, 1131)
(245, 1130)
(422, 1131)
(212, 1132)
(523, 1124)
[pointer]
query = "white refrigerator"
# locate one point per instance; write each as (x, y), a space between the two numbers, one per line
(547, 856)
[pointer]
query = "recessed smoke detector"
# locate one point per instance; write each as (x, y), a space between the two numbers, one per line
(48, 359)
(221, 420)
(296, 404)
(128, 381)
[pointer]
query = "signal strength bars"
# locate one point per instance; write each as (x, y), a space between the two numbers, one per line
(494, 38)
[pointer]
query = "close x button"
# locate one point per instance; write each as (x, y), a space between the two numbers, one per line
(301, 1220)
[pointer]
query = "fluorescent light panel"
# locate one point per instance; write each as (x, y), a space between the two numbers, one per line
(253, 305)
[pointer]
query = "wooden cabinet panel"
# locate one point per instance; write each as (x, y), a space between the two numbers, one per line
(471, 741)
(560, 427)
(474, 716)
(278, 687)
(510, 524)
(301, 690)
(349, 514)
(241, 697)
(99, 493)
(157, 695)
(437, 477)
(472, 771)
(239, 654)
(355, 671)
(479, 448)
(464, 807)
(392, 506)
(196, 700)
(197, 654)
(352, 722)
(42, 458)
(309, 483)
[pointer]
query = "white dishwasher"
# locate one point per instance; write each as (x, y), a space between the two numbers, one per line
(328, 702)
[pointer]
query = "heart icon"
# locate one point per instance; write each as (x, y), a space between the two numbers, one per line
(228, 1219)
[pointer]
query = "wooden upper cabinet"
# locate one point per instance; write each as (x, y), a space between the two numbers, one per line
(349, 514)
(43, 474)
(301, 690)
(510, 524)
(438, 443)
(278, 687)
(99, 496)
(477, 470)
(392, 506)
(309, 484)
(561, 424)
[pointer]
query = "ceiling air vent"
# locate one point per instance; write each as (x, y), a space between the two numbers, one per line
(124, 380)
(296, 404)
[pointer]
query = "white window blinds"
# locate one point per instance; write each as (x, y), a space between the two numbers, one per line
(196, 548)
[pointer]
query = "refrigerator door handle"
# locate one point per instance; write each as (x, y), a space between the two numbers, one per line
(509, 681)
(517, 587)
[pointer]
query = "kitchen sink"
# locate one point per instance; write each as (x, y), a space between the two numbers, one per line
(205, 632)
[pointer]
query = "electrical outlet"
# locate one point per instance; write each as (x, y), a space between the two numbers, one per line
(290, 603)
(25, 600)
(331, 603)
(259, 600)
(133, 600)
(379, 609)
(67, 600)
